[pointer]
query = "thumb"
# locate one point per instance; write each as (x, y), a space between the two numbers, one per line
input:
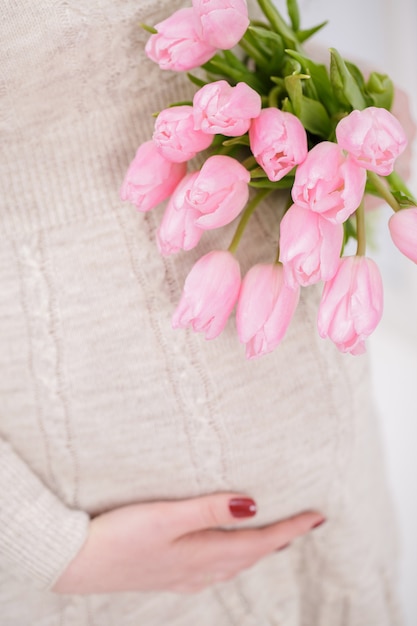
(212, 511)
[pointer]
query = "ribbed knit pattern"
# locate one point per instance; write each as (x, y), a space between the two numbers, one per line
(103, 404)
(43, 549)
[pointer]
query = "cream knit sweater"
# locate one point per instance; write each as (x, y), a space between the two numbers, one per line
(104, 404)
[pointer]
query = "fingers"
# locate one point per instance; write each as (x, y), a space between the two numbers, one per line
(210, 511)
(248, 545)
(284, 532)
(215, 555)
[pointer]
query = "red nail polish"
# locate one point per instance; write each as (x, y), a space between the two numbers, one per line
(242, 507)
(317, 524)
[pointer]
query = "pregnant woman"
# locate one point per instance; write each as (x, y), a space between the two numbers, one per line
(137, 462)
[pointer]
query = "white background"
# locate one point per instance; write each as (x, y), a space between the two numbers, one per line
(384, 34)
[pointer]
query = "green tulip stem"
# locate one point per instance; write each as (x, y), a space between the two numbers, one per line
(249, 163)
(361, 230)
(383, 191)
(246, 215)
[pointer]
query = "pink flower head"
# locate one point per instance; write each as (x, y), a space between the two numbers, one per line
(329, 182)
(265, 308)
(221, 108)
(403, 229)
(177, 45)
(175, 136)
(310, 246)
(219, 192)
(278, 142)
(178, 230)
(210, 293)
(351, 304)
(223, 22)
(374, 138)
(151, 178)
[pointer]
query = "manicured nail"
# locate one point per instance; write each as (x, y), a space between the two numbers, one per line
(319, 523)
(242, 507)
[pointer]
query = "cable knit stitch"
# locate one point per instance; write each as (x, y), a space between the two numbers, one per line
(103, 404)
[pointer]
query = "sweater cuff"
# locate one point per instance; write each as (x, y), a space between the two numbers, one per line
(39, 535)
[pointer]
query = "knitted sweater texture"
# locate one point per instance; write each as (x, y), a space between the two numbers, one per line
(103, 404)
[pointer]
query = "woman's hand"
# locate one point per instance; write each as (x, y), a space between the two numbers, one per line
(175, 546)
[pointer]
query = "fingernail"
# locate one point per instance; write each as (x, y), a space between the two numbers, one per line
(284, 547)
(319, 523)
(242, 507)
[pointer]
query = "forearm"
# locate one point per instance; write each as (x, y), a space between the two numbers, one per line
(39, 535)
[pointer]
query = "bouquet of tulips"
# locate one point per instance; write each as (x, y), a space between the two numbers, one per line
(267, 117)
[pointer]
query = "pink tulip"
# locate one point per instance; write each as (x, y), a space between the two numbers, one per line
(177, 45)
(329, 182)
(219, 192)
(351, 305)
(210, 293)
(278, 142)
(403, 229)
(221, 108)
(310, 246)
(150, 178)
(374, 138)
(178, 230)
(265, 308)
(175, 136)
(223, 22)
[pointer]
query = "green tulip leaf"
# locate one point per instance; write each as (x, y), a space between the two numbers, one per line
(349, 232)
(237, 141)
(287, 106)
(267, 35)
(294, 89)
(294, 14)
(291, 67)
(381, 90)
(278, 23)
(345, 85)
(319, 78)
(404, 200)
(311, 113)
(218, 66)
(196, 81)
(264, 183)
(315, 118)
(303, 35)
(357, 74)
(149, 29)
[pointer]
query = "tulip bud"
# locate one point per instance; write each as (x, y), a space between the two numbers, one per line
(278, 142)
(310, 246)
(178, 230)
(151, 178)
(219, 192)
(177, 45)
(329, 182)
(351, 304)
(223, 22)
(373, 137)
(210, 293)
(175, 136)
(265, 308)
(403, 229)
(226, 110)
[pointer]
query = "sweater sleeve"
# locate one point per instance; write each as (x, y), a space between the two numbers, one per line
(39, 535)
